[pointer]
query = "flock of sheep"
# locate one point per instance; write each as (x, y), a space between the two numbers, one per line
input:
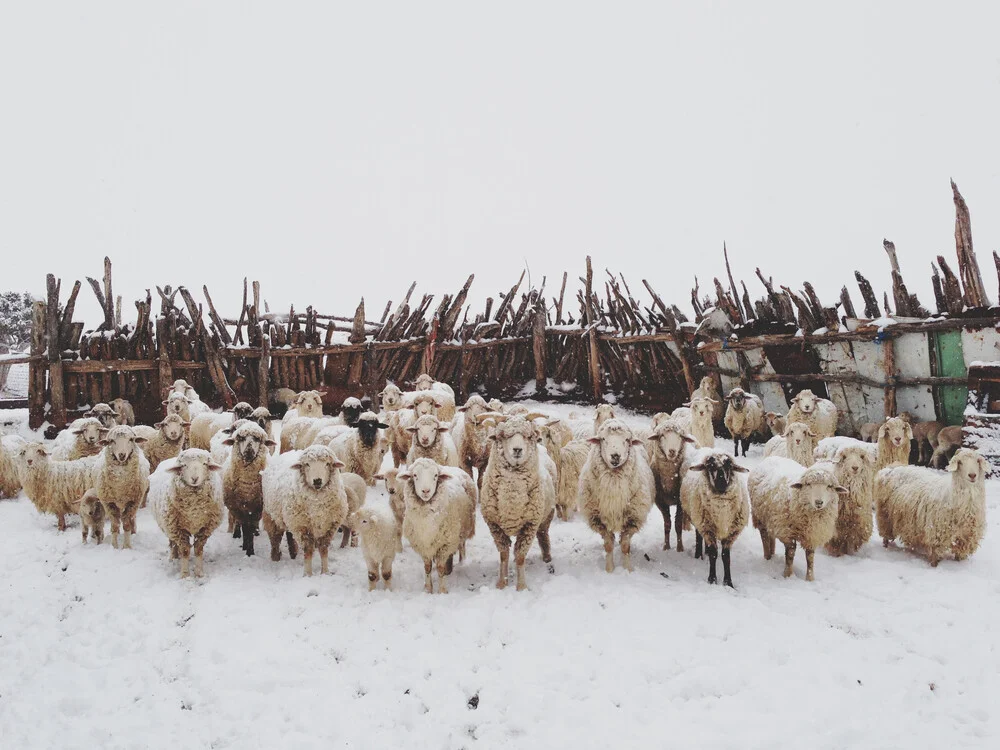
(520, 468)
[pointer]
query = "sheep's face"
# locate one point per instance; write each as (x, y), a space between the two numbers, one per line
(818, 489)
(615, 440)
(737, 399)
(426, 430)
(659, 418)
(33, 453)
(177, 403)
(120, 443)
(968, 466)
(516, 439)
(852, 461)
(391, 485)
(262, 417)
(807, 401)
(107, 416)
(707, 385)
(516, 410)
(798, 433)
(424, 475)
(392, 397)
(426, 404)
(194, 467)
(317, 466)
(248, 440)
(474, 407)
(719, 469)
(351, 409)
(702, 407)
(423, 382)
(172, 427)
(495, 404)
(368, 427)
(603, 413)
(89, 431)
(772, 418)
(309, 404)
(242, 410)
(896, 432)
(671, 441)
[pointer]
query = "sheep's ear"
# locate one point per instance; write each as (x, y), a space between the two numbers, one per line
(444, 428)
(336, 463)
(697, 467)
(114, 413)
(796, 485)
(76, 431)
(688, 439)
(228, 441)
(636, 441)
(270, 443)
(185, 424)
(953, 464)
(461, 408)
(740, 469)
(104, 441)
(212, 466)
(138, 440)
(552, 422)
(165, 403)
(411, 428)
(909, 430)
(594, 440)
(297, 465)
(176, 469)
(443, 474)
(379, 476)
(438, 404)
(382, 426)
(841, 490)
(158, 425)
(881, 432)
(686, 403)
(189, 400)
(404, 475)
(810, 433)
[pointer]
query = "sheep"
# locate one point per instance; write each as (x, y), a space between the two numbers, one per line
(357, 492)
(868, 432)
(241, 480)
(308, 431)
(894, 443)
(682, 415)
(616, 489)
(392, 397)
(265, 420)
(185, 497)
(667, 446)
(798, 443)
(207, 424)
(305, 501)
(931, 511)
(949, 440)
(702, 429)
(470, 436)
(185, 389)
(81, 439)
(518, 496)
(164, 440)
(828, 448)
(776, 423)
(555, 437)
(716, 502)
(92, 516)
(926, 435)
(440, 516)
(53, 486)
(178, 404)
(280, 400)
(307, 406)
(819, 413)
(572, 457)
(125, 414)
(795, 504)
(744, 417)
(400, 420)
(396, 501)
(218, 448)
(105, 414)
(431, 440)
(582, 430)
(362, 448)
(442, 391)
(709, 388)
(853, 466)
(121, 480)
(10, 479)
(379, 533)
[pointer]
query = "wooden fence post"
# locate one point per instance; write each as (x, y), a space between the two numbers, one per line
(539, 349)
(595, 357)
(890, 377)
(37, 367)
(263, 370)
(166, 370)
(57, 385)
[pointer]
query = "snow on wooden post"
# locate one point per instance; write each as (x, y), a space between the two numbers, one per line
(595, 361)
(57, 393)
(263, 370)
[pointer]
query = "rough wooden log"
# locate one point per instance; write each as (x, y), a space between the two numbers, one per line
(952, 289)
(213, 359)
(217, 320)
(166, 375)
(595, 362)
(57, 385)
(846, 303)
(939, 299)
(889, 350)
(539, 348)
(67, 316)
(871, 301)
(968, 266)
(37, 367)
(732, 286)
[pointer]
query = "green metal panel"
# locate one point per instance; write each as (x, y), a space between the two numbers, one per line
(947, 361)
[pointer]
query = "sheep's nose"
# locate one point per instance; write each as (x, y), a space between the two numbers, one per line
(616, 458)
(972, 477)
(898, 441)
(818, 504)
(518, 452)
(855, 469)
(317, 483)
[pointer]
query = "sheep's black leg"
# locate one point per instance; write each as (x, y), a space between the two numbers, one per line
(237, 531)
(713, 554)
(679, 525)
(248, 537)
(697, 545)
(727, 577)
(746, 446)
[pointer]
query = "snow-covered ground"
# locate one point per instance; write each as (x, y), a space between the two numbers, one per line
(107, 648)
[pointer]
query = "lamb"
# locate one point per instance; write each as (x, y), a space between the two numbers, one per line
(306, 407)
(164, 440)
(361, 449)
(931, 511)
(357, 492)
(572, 457)
(716, 502)
(776, 423)
(949, 440)
(819, 413)
(81, 439)
(304, 500)
(178, 404)
(121, 480)
(440, 516)
(616, 489)
(392, 397)
(853, 466)
(379, 533)
(396, 501)
(442, 391)
(702, 429)
(926, 435)
(185, 497)
(798, 443)
(470, 436)
(205, 425)
(105, 414)
(744, 417)
(241, 480)
(894, 443)
(795, 504)
(431, 440)
(555, 437)
(708, 388)
(667, 446)
(92, 516)
(518, 497)
(125, 414)
(10, 478)
(868, 432)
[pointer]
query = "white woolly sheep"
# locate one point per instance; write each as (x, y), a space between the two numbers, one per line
(854, 468)
(471, 436)
(682, 415)
(555, 437)
(362, 448)
(307, 407)
(744, 417)
(125, 414)
(431, 440)
(828, 448)
(379, 534)
(357, 492)
(667, 447)
(518, 496)
(819, 413)
(92, 517)
(54, 486)
(399, 420)
(931, 511)
(178, 404)
(616, 489)
(440, 516)
(185, 389)
(776, 423)
(572, 457)
(304, 500)
(265, 420)
(105, 414)
(442, 391)
(241, 481)
(205, 425)
(702, 429)
(121, 480)
(709, 388)
(894, 443)
(798, 444)
(164, 440)
(795, 504)
(81, 439)
(185, 497)
(396, 502)
(716, 502)
(10, 479)
(585, 429)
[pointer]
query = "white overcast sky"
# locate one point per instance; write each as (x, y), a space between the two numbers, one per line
(327, 149)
